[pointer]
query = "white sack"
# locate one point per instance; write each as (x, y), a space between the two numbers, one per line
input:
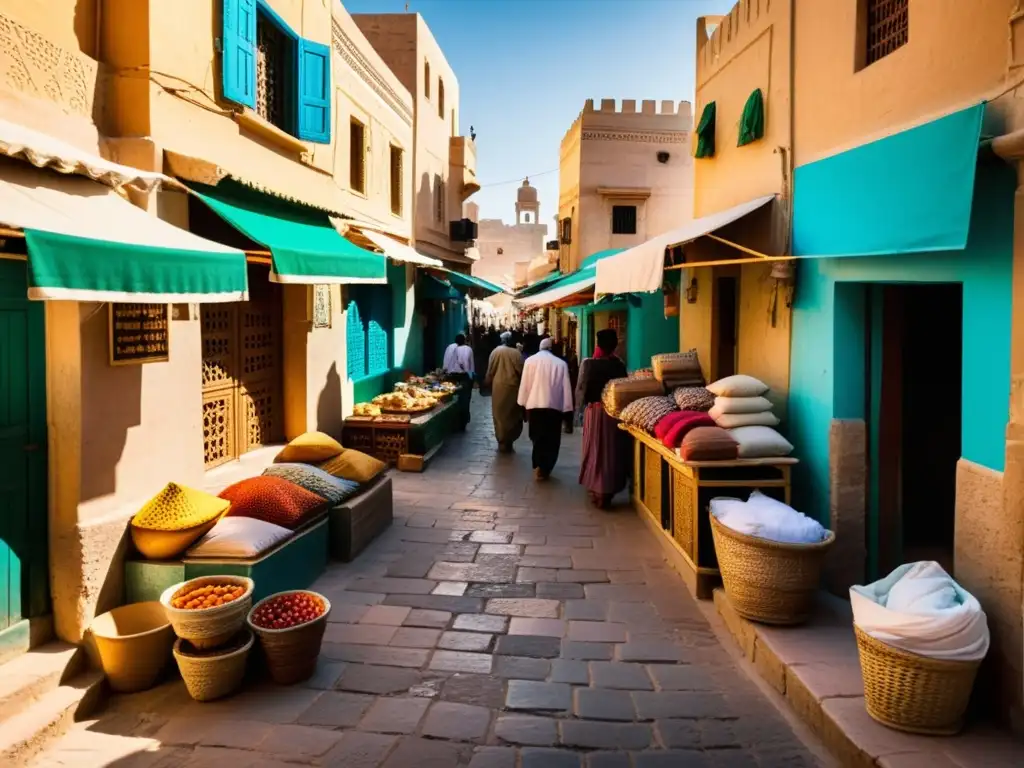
(766, 518)
(919, 608)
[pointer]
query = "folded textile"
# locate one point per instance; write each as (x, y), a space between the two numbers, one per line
(708, 444)
(756, 404)
(921, 609)
(684, 425)
(736, 420)
(767, 518)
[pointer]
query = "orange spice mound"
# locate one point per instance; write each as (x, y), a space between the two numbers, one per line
(210, 596)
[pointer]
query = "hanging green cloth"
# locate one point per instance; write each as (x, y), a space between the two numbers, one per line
(752, 120)
(706, 132)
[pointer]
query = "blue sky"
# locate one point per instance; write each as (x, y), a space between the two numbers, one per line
(525, 68)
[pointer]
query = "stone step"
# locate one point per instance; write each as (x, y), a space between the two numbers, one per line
(27, 732)
(32, 675)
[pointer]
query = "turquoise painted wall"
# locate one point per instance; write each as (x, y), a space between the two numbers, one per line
(648, 331)
(827, 357)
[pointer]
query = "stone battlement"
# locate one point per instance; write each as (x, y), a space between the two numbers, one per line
(733, 32)
(647, 107)
(627, 114)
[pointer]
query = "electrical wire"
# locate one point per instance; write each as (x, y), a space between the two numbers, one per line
(519, 179)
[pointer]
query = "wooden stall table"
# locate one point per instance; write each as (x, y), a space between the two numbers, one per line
(408, 442)
(673, 497)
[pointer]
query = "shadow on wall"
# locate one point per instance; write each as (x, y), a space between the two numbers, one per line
(328, 404)
(111, 405)
(424, 210)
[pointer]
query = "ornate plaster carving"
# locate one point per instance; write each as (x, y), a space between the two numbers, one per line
(646, 137)
(346, 47)
(31, 64)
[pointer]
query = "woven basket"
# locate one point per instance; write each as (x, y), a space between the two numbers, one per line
(618, 393)
(769, 581)
(291, 654)
(210, 627)
(913, 693)
(213, 677)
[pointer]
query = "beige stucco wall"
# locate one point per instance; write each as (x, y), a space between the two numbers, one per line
(406, 44)
(569, 194)
(955, 56)
(615, 147)
(118, 434)
(518, 243)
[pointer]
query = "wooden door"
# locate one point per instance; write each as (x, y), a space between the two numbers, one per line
(24, 579)
(726, 320)
(617, 323)
(243, 405)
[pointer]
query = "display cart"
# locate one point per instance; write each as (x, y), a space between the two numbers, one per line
(406, 443)
(673, 497)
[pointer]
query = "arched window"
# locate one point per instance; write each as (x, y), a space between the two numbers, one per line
(426, 79)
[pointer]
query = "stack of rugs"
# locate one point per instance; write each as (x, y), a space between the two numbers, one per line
(726, 420)
(311, 474)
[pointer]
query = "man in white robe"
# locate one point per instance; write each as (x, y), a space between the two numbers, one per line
(546, 394)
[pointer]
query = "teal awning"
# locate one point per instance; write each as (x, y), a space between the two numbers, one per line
(305, 247)
(470, 282)
(906, 193)
(540, 284)
(582, 279)
(430, 287)
(87, 243)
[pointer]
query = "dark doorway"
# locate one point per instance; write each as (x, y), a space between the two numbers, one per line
(725, 325)
(920, 334)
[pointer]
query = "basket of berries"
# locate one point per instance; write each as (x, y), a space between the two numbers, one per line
(208, 611)
(290, 626)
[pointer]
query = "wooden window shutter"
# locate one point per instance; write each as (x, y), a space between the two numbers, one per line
(238, 55)
(357, 156)
(314, 92)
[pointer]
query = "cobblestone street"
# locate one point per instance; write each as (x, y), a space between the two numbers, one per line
(499, 623)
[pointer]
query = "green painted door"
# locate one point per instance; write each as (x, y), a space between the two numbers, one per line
(24, 582)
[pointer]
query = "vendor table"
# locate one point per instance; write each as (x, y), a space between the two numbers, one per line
(408, 445)
(673, 497)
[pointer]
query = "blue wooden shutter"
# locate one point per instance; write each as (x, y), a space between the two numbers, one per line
(355, 337)
(378, 333)
(238, 41)
(314, 92)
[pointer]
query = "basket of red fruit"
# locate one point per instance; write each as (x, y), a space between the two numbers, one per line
(290, 626)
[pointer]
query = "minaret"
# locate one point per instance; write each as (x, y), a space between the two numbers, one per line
(527, 207)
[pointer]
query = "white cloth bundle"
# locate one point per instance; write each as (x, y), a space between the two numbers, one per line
(766, 518)
(921, 609)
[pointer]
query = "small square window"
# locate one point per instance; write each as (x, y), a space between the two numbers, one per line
(357, 156)
(396, 180)
(623, 219)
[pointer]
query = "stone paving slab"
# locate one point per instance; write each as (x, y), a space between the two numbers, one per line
(498, 623)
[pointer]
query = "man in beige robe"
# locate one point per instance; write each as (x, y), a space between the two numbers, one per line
(504, 372)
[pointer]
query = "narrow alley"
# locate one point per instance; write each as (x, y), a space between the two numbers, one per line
(498, 623)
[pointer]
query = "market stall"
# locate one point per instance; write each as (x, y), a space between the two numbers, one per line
(405, 428)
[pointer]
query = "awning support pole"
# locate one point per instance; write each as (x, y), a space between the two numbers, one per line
(727, 262)
(737, 246)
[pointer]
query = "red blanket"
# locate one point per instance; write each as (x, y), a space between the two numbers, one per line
(675, 426)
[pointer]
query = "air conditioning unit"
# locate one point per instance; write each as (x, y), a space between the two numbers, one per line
(551, 245)
(462, 231)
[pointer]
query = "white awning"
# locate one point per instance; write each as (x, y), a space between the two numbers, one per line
(45, 151)
(560, 291)
(399, 251)
(641, 269)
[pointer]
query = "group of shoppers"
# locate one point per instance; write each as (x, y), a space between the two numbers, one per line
(542, 390)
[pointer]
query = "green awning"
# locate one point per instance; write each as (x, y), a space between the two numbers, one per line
(430, 287)
(542, 283)
(305, 247)
(86, 243)
(470, 282)
(582, 279)
(706, 132)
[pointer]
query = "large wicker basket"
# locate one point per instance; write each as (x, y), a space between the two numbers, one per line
(213, 675)
(291, 654)
(768, 581)
(210, 627)
(913, 693)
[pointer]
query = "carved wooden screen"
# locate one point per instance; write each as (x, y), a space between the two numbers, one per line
(242, 372)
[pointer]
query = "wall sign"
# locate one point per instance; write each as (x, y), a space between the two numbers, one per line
(321, 306)
(139, 333)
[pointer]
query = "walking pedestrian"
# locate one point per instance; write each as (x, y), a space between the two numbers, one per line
(459, 367)
(504, 374)
(604, 468)
(546, 395)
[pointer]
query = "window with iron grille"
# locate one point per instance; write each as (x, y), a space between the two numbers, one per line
(886, 27)
(439, 199)
(368, 326)
(623, 219)
(357, 156)
(566, 231)
(396, 180)
(273, 52)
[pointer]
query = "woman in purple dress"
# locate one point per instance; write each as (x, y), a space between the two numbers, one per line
(604, 470)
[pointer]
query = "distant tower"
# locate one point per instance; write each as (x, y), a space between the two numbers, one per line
(527, 207)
